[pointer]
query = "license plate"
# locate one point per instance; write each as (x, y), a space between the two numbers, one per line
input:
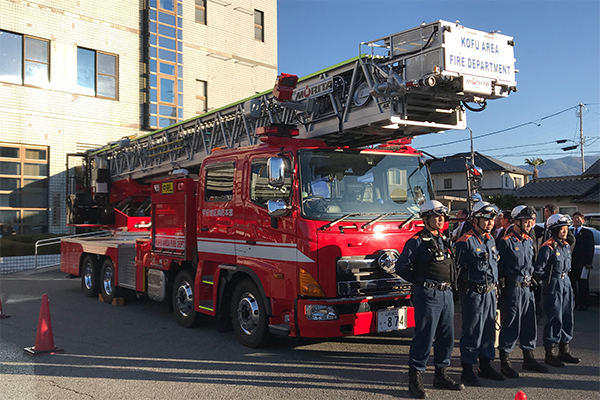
(391, 320)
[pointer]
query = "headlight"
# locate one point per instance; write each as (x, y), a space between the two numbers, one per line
(320, 312)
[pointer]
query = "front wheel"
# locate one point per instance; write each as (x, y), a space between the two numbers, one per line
(107, 281)
(248, 315)
(89, 277)
(183, 300)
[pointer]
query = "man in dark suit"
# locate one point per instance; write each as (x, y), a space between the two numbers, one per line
(502, 224)
(462, 226)
(583, 255)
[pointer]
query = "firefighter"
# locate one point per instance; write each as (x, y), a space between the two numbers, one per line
(517, 299)
(427, 262)
(553, 264)
(477, 261)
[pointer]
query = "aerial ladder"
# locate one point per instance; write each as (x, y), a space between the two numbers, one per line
(411, 83)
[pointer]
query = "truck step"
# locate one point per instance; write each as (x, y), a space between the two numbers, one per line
(208, 279)
(206, 305)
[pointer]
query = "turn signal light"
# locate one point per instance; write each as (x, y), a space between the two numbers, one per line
(309, 286)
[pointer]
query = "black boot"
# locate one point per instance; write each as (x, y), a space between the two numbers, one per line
(529, 363)
(506, 366)
(486, 370)
(564, 354)
(415, 383)
(551, 358)
(443, 381)
(468, 376)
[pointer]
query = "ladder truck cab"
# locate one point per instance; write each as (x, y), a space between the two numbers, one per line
(285, 213)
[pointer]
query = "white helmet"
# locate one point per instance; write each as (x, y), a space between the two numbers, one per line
(483, 209)
(558, 220)
(523, 212)
(433, 207)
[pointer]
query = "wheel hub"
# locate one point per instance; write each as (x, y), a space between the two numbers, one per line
(184, 298)
(248, 313)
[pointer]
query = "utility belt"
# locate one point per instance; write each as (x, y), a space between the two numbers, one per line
(523, 284)
(561, 275)
(437, 285)
(479, 288)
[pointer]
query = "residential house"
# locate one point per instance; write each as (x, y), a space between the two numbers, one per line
(570, 193)
(450, 177)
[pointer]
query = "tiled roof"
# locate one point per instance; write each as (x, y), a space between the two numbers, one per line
(571, 186)
(594, 169)
(456, 163)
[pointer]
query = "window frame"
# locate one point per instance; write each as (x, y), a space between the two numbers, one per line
(98, 73)
(22, 209)
(447, 183)
(259, 27)
(201, 97)
(24, 61)
(202, 8)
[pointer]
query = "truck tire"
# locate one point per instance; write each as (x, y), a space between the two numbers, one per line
(107, 281)
(183, 300)
(90, 277)
(248, 315)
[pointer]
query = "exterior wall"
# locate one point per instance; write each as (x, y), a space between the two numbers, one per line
(68, 122)
(564, 204)
(493, 183)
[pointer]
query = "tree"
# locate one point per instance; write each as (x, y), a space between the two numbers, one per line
(535, 163)
(503, 201)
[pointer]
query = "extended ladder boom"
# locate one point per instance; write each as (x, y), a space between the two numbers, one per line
(412, 83)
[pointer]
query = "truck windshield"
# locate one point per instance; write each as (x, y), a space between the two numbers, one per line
(364, 183)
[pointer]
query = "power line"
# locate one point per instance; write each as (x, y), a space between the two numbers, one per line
(537, 122)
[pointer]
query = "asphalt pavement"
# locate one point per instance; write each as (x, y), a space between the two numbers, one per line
(137, 351)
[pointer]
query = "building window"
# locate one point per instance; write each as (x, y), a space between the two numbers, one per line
(506, 181)
(24, 60)
(97, 73)
(23, 189)
(201, 96)
(201, 11)
(164, 83)
(259, 25)
(448, 183)
(518, 183)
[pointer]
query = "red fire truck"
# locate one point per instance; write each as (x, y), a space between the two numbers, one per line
(282, 213)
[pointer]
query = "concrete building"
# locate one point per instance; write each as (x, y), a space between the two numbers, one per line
(76, 74)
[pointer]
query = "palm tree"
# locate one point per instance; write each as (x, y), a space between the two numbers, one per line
(535, 163)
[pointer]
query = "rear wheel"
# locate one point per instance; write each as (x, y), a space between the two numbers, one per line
(107, 281)
(183, 300)
(248, 315)
(89, 277)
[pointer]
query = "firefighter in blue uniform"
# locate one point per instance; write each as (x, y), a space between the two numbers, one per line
(517, 299)
(427, 262)
(553, 264)
(477, 262)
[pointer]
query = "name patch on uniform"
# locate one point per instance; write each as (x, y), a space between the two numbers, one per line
(478, 249)
(516, 248)
(557, 254)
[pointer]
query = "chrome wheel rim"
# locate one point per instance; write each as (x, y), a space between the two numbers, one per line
(184, 298)
(248, 313)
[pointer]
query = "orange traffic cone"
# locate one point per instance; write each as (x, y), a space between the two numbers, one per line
(2, 315)
(44, 341)
(520, 395)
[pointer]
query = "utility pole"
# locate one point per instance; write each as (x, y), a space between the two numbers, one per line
(581, 138)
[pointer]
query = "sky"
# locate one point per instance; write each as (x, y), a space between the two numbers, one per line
(557, 51)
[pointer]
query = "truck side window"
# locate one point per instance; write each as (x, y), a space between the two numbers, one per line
(260, 190)
(219, 182)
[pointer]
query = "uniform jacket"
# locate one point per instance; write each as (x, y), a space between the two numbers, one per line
(516, 257)
(554, 259)
(417, 253)
(477, 258)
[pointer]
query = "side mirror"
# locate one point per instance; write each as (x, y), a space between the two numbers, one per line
(277, 208)
(276, 171)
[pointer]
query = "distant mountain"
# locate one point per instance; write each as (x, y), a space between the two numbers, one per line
(566, 166)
